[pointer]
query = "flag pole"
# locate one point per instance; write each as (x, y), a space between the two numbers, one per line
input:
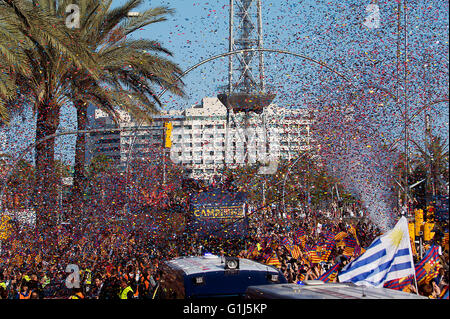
(410, 250)
(415, 283)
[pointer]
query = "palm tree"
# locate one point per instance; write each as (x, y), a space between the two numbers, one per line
(12, 57)
(130, 68)
(433, 158)
(46, 48)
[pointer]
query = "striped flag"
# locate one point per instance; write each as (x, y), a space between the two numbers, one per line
(267, 253)
(330, 275)
(425, 268)
(300, 237)
(323, 251)
(313, 257)
(358, 250)
(327, 247)
(307, 247)
(340, 236)
(433, 273)
(400, 283)
(268, 242)
(302, 277)
(445, 241)
(350, 246)
(329, 236)
(251, 250)
(444, 293)
(295, 251)
(300, 232)
(286, 241)
(388, 257)
(273, 261)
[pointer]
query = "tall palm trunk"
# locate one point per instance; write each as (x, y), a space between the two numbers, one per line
(46, 181)
(77, 192)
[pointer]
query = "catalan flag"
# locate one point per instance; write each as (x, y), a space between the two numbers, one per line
(313, 257)
(341, 235)
(330, 275)
(273, 261)
(295, 251)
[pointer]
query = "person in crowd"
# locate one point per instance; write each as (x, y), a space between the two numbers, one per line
(119, 262)
(34, 295)
(96, 290)
(126, 292)
(77, 293)
(24, 292)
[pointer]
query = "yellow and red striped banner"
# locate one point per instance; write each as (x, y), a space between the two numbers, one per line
(340, 236)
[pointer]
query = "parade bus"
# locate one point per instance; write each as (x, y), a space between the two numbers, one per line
(317, 289)
(211, 276)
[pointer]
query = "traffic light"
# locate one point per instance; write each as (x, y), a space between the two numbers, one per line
(168, 134)
(428, 234)
(412, 234)
(418, 216)
(430, 214)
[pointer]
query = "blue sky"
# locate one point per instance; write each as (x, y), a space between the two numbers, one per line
(331, 31)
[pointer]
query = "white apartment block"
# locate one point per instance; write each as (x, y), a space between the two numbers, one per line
(128, 136)
(201, 140)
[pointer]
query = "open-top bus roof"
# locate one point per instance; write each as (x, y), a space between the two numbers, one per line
(202, 264)
(316, 289)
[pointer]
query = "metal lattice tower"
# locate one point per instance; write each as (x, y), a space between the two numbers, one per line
(246, 90)
(246, 25)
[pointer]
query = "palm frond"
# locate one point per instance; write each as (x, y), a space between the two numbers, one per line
(4, 112)
(146, 18)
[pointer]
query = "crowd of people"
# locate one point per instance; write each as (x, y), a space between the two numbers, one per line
(347, 239)
(122, 262)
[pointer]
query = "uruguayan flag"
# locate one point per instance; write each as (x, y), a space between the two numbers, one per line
(388, 257)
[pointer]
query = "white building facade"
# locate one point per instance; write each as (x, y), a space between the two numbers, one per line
(202, 141)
